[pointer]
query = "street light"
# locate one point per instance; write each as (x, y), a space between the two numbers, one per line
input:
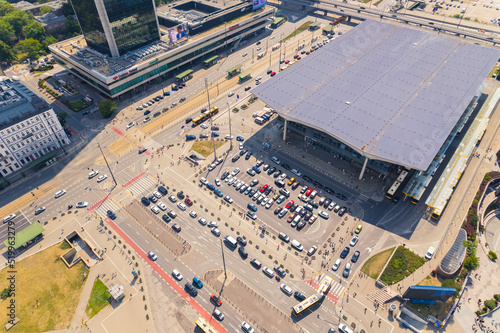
(230, 136)
(211, 120)
(105, 160)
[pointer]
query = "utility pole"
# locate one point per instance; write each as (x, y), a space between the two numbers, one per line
(224, 264)
(211, 121)
(229, 113)
(105, 160)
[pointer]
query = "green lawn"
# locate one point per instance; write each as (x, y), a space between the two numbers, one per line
(303, 26)
(205, 148)
(99, 298)
(77, 106)
(375, 264)
(403, 263)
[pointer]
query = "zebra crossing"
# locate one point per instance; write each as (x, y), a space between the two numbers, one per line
(336, 288)
(140, 184)
(362, 198)
(102, 209)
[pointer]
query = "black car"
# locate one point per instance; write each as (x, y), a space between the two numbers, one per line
(341, 196)
(182, 99)
(303, 52)
(269, 71)
(235, 158)
(285, 166)
(342, 211)
(299, 296)
(142, 150)
(268, 190)
(255, 263)
(224, 175)
(180, 195)
(156, 114)
(111, 215)
(277, 173)
(345, 252)
(313, 203)
(301, 225)
(281, 272)
(307, 178)
(329, 190)
(308, 216)
(327, 202)
(243, 152)
(145, 201)
(241, 240)
(247, 88)
(152, 198)
(355, 256)
(271, 170)
(293, 208)
(243, 252)
(248, 155)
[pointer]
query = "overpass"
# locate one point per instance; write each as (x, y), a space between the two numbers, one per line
(363, 13)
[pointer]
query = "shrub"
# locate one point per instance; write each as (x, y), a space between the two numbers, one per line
(493, 256)
(497, 297)
(471, 263)
(5, 293)
(450, 283)
(490, 304)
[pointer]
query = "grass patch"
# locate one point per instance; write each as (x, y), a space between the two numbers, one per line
(374, 265)
(99, 298)
(378, 3)
(303, 26)
(439, 310)
(403, 263)
(77, 106)
(205, 148)
(430, 281)
(47, 292)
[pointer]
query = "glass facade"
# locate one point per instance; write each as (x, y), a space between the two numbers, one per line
(88, 17)
(133, 23)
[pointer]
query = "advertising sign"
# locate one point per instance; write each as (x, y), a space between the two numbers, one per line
(258, 3)
(178, 32)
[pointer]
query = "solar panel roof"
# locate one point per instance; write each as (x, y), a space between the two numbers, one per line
(390, 92)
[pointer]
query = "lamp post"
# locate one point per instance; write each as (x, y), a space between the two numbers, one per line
(211, 121)
(105, 160)
(231, 137)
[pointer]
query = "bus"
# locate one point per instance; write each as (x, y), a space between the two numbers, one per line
(275, 47)
(300, 308)
(325, 284)
(337, 21)
(436, 213)
(260, 55)
(206, 115)
(396, 184)
(205, 326)
(301, 46)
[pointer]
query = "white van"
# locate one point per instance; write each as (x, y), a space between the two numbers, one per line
(343, 328)
(231, 241)
(297, 219)
(296, 244)
(430, 253)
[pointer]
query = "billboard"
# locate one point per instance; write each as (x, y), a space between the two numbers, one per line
(258, 3)
(429, 293)
(178, 32)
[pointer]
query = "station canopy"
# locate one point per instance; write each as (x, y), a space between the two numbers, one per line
(391, 93)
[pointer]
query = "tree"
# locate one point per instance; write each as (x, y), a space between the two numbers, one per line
(72, 26)
(45, 10)
(67, 9)
(30, 46)
(107, 107)
(6, 53)
(17, 19)
(62, 117)
(5, 8)
(471, 263)
(49, 41)
(34, 30)
(6, 32)
(450, 283)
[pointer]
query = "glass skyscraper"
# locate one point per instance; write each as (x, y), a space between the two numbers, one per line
(115, 27)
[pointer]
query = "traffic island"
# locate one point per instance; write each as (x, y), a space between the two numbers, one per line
(254, 308)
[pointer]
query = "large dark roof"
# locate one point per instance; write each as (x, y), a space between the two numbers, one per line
(390, 92)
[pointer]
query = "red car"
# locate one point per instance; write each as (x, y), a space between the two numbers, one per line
(289, 204)
(308, 192)
(188, 202)
(307, 53)
(287, 62)
(263, 188)
(296, 56)
(273, 73)
(216, 300)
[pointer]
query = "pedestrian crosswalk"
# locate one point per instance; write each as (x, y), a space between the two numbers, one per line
(336, 288)
(102, 209)
(362, 198)
(140, 184)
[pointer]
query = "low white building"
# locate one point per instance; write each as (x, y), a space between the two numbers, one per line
(29, 128)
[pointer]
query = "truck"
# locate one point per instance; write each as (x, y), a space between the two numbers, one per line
(190, 137)
(259, 120)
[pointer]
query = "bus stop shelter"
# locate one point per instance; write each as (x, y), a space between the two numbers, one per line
(246, 74)
(328, 30)
(43, 161)
(234, 70)
(25, 237)
(184, 76)
(211, 61)
(314, 26)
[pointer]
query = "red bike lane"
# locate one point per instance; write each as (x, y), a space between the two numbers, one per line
(208, 317)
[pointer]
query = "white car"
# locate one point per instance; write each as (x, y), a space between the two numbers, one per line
(204, 126)
(230, 94)
(202, 221)
(332, 205)
(181, 206)
(157, 194)
(60, 193)
(235, 172)
(241, 146)
(228, 199)
(162, 206)
(296, 172)
(269, 203)
(282, 176)
(130, 125)
(82, 204)
(269, 272)
(203, 181)
(146, 119)
(228, 179)
(219, 160)
(177, 274)
(172, 198)
(286, 289)
(102, 178)
(272, 37)
(263, 203)
(213, 224)
(323, 214)
(244, 54)
(193, 214)
(93, 174)
(8, 218)
(212, 166)
(155, 209)
(219, 315)
(354, 241)
(215, 231)
(231, 181)
(336, 265)
(217, 181)
(247, 328)
(152, 255)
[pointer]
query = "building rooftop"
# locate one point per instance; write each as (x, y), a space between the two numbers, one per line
(25, 5)
(76, 49)
(50, 18)
(392, 93)
(17, 102)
